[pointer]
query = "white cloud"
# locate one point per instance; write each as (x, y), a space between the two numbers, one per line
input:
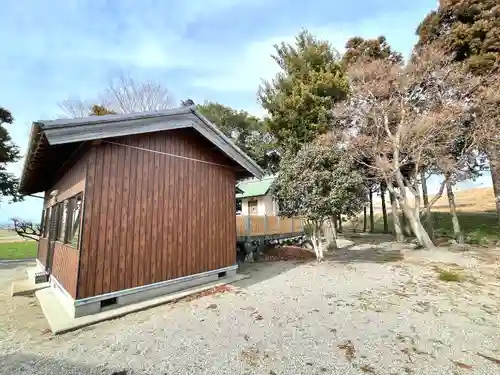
(244, 71)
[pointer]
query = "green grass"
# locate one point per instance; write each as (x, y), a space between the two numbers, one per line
(18, 250)
(449, 276)
(478, 228)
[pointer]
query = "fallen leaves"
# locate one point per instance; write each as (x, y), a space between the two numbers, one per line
(209, 292)
(350, 351)
(288, 253)
(367, 369)
(256, 316)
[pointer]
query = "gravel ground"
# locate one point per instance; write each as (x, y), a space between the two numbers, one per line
(356, 313)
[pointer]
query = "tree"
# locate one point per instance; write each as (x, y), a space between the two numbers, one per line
(27, 229)
(248, 132)
(403, 118)
(469, 30)
(100, 110)
(318, 183)
(75, 108)
(300, 97)
(124, 94)
(359, 50)
(9, 153)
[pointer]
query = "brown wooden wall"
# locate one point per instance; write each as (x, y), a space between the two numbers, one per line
(65, 266)
(65, 259)
(43, 246)
(151, 217)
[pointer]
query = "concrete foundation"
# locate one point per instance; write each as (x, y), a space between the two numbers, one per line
(104, 302)
(60, 321)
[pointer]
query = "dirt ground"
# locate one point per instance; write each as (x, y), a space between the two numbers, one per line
(373, 307)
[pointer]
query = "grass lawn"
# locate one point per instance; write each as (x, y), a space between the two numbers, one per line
(18, 250)
(479, 228)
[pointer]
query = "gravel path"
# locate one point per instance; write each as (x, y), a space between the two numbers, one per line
(353, 314)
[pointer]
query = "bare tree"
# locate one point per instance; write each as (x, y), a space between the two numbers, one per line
(125, 94)
(75, 107)
(27, 229)
(402, 119)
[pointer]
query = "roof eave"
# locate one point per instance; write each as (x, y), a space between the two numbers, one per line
(228, 147)
(239, 196)
(57, 134)
(110, 126)
(34, 142)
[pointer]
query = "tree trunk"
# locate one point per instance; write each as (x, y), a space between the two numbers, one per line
(372, 220)
(384, 208)
(412, 215)
(340, 224)
(395, 219)
(413, 219)
(459, 236)
(329, 228)
(334, 233)
(407, 228)
(317, 243)
(494, 157)
(429, 225)
(365, 219)
(404, 223)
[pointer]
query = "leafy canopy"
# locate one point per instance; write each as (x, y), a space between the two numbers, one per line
(470, 29)
(247, 131)
(359, 50)
(9, 153)
(318, 183)
(300, 97)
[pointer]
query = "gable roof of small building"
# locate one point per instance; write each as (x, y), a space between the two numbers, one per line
(255, 188)
(54, 142)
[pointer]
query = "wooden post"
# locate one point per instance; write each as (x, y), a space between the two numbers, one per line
(247, 225)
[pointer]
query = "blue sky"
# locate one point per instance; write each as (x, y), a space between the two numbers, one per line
(215, 50)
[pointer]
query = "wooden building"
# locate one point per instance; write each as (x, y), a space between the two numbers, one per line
(135, 205)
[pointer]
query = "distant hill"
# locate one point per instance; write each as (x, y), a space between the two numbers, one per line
(471, 200)
(467, 200)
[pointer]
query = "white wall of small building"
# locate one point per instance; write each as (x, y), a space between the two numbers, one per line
(266, 205)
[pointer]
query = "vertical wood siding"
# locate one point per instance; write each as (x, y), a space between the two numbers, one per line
(71, 183)
(151, 217)
(65, 258)
(65, 267)
(43, 246)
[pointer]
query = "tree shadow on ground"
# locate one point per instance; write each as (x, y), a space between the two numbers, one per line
(365, 255)
(263, 270)
(349, 239)
(368, 248)
(20, 363)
